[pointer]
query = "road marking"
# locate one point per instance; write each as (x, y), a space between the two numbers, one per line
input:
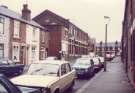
(83, 88)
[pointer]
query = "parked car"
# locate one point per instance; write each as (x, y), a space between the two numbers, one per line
(101, 60)
(52, 76)
(84, 67)
(97, 64)
(109, 57)
(10, 68)
(8, 87)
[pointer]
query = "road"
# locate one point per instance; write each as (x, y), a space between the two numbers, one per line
(78, 84)
(81, 82)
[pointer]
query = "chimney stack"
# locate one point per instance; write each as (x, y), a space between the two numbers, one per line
(26, 13)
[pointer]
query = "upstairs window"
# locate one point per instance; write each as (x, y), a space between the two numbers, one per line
(2, 25)
(42, 36)
(16, 29)
(1, 50)
(34, 33)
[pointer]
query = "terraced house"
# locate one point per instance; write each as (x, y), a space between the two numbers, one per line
(19, 35)
(66, 39)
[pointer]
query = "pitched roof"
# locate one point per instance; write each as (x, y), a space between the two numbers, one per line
(61, 19)
(11, 14)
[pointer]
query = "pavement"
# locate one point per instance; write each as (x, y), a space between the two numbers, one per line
(114, 80)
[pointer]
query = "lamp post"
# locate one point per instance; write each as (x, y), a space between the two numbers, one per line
(107, 18)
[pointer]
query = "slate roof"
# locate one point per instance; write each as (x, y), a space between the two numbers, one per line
(11, 14)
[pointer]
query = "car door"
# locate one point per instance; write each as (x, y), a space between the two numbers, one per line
(70, 75)
(67, 76)
(7, 87)
(62, 80)
(3, 89)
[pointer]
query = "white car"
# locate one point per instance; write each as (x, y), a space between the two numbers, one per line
(97, 64)
(51, 77)
(101, 60)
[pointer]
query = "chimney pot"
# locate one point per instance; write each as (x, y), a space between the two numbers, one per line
(26, 13)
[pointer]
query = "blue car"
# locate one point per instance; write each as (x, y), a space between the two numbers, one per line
(10, 68)
(84, 67)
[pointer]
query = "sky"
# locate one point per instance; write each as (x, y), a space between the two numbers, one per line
(88, 15)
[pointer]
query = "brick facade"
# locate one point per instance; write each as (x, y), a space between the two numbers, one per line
(112, 49)
(44, 43)
(128, 40)
(66, 39)
(22, 36)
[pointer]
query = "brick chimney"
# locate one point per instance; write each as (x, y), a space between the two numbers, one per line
(26, 13)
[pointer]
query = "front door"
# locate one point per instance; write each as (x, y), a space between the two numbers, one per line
(22, 55)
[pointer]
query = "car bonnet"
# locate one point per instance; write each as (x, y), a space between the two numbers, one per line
(34, 80)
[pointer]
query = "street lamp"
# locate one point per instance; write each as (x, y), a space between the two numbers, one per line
(107, 18)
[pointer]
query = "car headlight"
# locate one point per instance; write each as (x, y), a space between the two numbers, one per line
(45, 90)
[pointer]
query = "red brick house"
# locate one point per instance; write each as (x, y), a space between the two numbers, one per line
(66, 39)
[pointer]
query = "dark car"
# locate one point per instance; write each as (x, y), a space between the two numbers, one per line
(10, 68)
(8, 87)
(84, 67)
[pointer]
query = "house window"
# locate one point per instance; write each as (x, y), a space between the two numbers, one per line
(42, 36)
(1, 25)
(34, 33)
(16, 53)
(33, 53)
(1, 50)
(16, 29)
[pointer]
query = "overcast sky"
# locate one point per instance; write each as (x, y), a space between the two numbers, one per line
(86, 14)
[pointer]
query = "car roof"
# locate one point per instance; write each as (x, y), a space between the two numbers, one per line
(57, 62)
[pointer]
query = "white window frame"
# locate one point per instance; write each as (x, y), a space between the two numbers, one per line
(16, 33)
(43, 36)
(34, 33)
(16, 53)
(2, 22)
(33, 53)
(2, 50)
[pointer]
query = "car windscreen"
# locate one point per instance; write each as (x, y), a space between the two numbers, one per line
(82, 62)
(43, 69)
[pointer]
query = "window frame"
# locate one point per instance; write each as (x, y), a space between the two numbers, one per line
(3, 23)
(64, 68)
(2, 50)
(16, 32)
